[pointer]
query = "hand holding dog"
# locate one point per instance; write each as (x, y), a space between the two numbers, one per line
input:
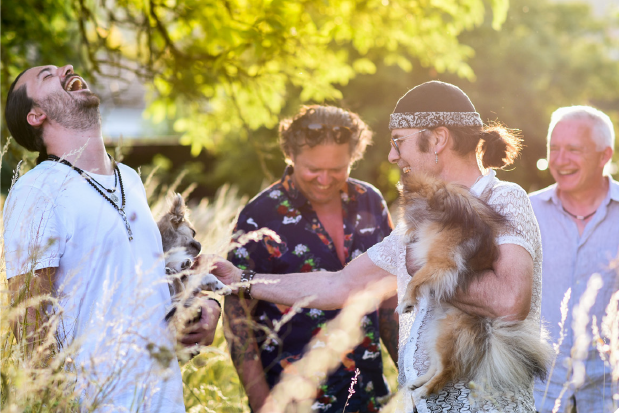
(505, 291)
(227, 273)
(202, 332)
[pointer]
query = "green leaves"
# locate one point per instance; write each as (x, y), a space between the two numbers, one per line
(231, 64)
(224, 71)
(500, 8)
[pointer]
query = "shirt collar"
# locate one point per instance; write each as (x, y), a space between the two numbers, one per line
(482, 183)
(297, 199)
(552, 195)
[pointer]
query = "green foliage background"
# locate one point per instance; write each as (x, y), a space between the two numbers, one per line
(221, 71)
(220, 74)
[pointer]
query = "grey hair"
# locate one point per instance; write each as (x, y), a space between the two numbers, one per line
(602, 131)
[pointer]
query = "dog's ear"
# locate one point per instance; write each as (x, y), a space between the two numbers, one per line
(177, 209)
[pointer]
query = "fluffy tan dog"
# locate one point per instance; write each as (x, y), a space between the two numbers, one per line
(450, 235)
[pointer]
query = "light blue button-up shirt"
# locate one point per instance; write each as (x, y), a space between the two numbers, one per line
(569, 261)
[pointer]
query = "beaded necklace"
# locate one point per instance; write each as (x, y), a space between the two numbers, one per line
(109, 191)
(95, 185)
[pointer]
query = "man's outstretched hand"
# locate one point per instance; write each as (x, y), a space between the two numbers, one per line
(223, 269)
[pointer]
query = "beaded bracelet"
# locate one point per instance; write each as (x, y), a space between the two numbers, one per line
(246, 277)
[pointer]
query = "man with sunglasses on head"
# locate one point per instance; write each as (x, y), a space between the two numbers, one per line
(325, 219)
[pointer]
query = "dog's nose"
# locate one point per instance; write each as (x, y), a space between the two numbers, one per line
(196, 245)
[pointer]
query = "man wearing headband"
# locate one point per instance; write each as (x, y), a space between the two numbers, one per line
(324, 219)
(436, 130)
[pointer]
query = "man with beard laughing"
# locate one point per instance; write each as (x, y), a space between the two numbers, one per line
(80, 236)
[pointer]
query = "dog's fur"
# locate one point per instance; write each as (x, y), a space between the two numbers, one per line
(181, 248)
(450, 236)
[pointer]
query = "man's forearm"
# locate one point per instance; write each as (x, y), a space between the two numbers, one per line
(325, 290)
(504, 291)
(244, 350)
(256, 387)
(32, 325)
(481, 298)
(389, 326)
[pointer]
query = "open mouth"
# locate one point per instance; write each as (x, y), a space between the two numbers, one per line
(74, 84)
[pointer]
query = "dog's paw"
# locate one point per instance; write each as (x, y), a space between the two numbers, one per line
(212, 283)
(186, 264)
(406, 305)
(417, 383)
(420, 393)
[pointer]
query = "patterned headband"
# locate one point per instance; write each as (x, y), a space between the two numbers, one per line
(433, 119)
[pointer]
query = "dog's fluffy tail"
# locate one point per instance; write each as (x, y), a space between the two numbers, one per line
(515, 352)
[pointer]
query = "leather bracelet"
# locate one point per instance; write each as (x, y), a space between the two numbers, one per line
(217, 302)
(246, 277)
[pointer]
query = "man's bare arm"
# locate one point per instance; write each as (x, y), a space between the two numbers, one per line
(328, 290)
(503, 292)
(30, 287)
(389, 326)
(244, 349)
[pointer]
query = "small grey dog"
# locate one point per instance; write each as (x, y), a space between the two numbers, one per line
(181, 249)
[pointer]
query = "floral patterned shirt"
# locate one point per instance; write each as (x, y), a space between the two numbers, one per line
(305, 247)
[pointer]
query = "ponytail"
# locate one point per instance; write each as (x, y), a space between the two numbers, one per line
(495, 145)
(499, 147)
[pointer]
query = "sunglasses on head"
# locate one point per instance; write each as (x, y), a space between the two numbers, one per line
(315, 133)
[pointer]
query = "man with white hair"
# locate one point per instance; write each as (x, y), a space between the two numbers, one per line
(579, 222)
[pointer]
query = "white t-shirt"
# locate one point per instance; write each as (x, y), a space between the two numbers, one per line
(112, 291)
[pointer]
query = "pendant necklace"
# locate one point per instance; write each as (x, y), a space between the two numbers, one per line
(578, 217)
(111, 192)
(110, 197)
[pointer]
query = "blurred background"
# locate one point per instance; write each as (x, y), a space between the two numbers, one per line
(199, 86)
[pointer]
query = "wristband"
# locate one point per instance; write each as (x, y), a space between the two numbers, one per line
(218, 303)
(246, 277)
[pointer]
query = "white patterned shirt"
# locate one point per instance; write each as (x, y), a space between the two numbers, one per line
(390, 255)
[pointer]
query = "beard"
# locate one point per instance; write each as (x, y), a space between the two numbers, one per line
(79, 112)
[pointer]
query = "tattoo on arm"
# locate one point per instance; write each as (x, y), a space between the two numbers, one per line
(238, 330)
